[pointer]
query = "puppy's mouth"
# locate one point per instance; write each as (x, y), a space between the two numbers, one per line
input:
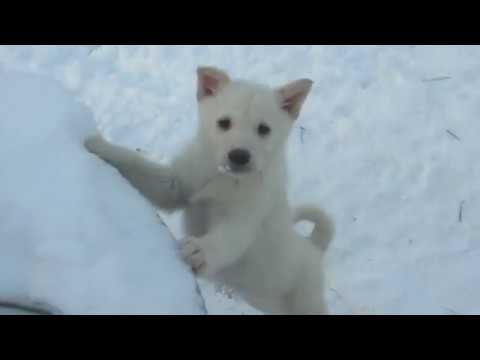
(232, 170)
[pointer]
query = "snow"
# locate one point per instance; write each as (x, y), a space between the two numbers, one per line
(386, 143)
(73, 234)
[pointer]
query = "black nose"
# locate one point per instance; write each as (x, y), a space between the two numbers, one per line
(239, 157)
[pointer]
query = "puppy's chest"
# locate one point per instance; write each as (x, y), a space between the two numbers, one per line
(223, 193)
(217, 200)
(205, 209)
(210, 211)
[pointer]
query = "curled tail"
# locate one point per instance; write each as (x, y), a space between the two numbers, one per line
(324, 229)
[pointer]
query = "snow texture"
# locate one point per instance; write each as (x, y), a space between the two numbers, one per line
(73, 234)
(386, 143)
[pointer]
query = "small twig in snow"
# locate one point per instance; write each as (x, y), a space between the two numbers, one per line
(438, 78)
(336, 293)
(460, 211)
(93, 48)
(40, 309)
(451, 310)
(302, 130)
(452, 134)
(160, 218)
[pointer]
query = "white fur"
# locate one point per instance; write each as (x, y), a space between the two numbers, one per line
(240, 225)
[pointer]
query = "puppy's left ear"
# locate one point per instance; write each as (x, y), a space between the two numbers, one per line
(293, 95)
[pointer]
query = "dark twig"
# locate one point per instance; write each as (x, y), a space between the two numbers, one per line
(452, 134)
(35, 308)
(451, 310)
(460, 211)
(302, 130)
(161, 219)
(336, 293)
(93, 48)
(438, 78)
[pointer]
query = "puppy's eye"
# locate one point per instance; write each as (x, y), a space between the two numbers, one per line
(263, 130)
(224, 123)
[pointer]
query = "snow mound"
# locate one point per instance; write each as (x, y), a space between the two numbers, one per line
(73, 233)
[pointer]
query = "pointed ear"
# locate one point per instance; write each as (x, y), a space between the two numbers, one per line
(293, 95)
(210, 81)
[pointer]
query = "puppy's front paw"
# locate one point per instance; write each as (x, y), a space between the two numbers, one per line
(193, 254)
(94, 144)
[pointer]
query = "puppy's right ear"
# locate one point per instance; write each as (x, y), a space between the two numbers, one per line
(210, 81)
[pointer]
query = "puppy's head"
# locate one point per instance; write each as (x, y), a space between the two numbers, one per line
(245, 124)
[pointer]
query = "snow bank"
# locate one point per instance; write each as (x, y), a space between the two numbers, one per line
(73, 233)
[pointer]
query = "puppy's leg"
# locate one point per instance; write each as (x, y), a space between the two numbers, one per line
(308, 297)
(159, 184)
(196, 219)
(222, 246)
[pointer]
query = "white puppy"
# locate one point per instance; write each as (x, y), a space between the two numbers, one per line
(231, 182)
